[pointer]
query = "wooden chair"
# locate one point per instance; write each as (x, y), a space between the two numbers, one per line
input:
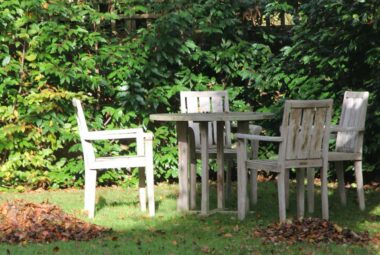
(203, 102)
(349, 146)
(142, 159)
(303, 143)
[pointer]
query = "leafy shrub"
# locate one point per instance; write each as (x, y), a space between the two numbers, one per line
(52, 51)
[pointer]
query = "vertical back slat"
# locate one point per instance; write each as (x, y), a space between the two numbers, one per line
(293, 132)
(316, 138)
(192, 106)
(204, 107)
(306, 130)
(217, 106)
(353, 115)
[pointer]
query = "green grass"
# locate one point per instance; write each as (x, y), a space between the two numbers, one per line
(171, 232)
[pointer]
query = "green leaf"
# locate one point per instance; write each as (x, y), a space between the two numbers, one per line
(31, 57)
(6, 61)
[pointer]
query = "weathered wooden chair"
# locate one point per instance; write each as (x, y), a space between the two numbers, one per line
(203, 102)
(143, 159)
(349, 146)
(303, 143)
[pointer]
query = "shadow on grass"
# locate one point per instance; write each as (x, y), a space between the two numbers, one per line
(103, 203)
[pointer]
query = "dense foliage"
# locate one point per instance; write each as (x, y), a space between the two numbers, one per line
(51, 51)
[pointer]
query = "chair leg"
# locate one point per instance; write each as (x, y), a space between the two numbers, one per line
(193, 168)
(253, 186)
(89, 192)
(324, 193)
(341, 184)
(281, 195)
(193, 179)
(149, 174)
(310, 190)
(286, 180)
(255, 153)
(205, 200)
(142, 189)
(150, 186)
(228, 183)
(359, 184)
(193, 183)
(300, 193)
(241, 179)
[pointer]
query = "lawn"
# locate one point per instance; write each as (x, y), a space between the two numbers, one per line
(171, 232)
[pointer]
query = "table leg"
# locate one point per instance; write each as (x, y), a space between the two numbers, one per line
(183, 199)
(205, 204)
(193, 168)
(243, 205)
(220, 163)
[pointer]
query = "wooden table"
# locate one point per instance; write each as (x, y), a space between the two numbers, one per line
(182, 120)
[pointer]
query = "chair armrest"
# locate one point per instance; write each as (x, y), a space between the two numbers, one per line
(334, 128)
(117, 134)
(260, 137)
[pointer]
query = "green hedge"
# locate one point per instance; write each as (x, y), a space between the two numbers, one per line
(52, 51)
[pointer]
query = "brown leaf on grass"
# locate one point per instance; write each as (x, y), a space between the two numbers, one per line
(227, 235)
(205, 249)
(24, 222)
(310, 230)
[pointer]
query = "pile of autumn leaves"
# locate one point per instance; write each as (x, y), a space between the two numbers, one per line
(24, 222)
(311, 230)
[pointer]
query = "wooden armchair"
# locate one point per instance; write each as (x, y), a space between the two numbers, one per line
(303, 143)
(349, 146)
(143, 158)
(203, 102)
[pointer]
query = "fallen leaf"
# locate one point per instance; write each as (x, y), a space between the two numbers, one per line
(205, 249)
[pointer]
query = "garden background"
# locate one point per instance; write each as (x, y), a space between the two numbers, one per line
(127, 59)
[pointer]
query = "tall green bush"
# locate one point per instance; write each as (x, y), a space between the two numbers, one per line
(52, 51)
(335, 47)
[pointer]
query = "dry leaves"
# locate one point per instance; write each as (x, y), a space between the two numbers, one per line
(23, 222)
(310, 230)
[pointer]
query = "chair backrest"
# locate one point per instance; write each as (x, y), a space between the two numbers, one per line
(353, 115)
(88, 150)
(202, 102)
(304, 128)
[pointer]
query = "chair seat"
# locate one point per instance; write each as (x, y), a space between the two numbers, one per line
(267, 165)
(118, 162)
(344, 156)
